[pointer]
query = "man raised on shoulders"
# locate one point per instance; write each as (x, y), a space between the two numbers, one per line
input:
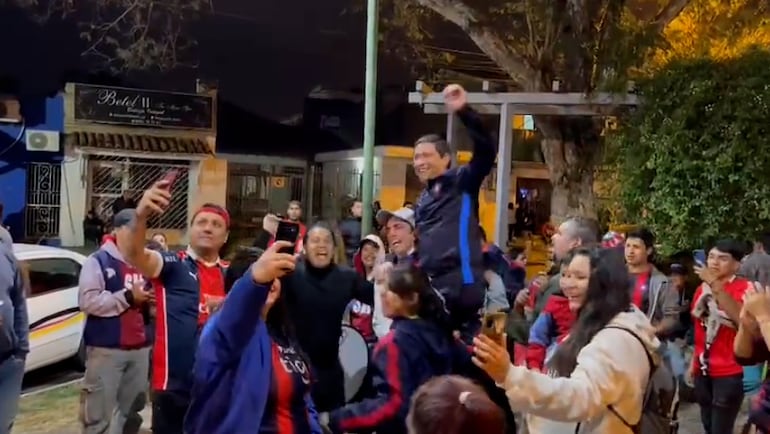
(447, 213)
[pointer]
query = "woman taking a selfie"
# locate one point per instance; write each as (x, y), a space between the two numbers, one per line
(597, 378)
(419, 347)
(250, 375)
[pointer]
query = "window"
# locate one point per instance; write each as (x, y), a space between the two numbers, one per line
(51, 274)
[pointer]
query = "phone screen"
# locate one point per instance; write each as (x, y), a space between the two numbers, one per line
(493, 325)
(699, 256)
(287, 231)
(170, 177)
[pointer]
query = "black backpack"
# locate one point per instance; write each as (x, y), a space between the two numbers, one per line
(661, 398)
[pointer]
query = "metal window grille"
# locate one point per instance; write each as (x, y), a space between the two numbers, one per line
(341, 187)
(254, 190)
(111, 176)
(43, 200)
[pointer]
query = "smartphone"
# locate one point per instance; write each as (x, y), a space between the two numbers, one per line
(699, 256)
(287, 231)
(493, 325)
(170, 177)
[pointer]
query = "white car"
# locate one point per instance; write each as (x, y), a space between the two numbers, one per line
(55, 321)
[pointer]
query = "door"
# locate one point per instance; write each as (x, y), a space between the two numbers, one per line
(55, 320)
(534, 197)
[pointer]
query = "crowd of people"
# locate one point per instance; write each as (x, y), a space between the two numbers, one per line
(253, 344)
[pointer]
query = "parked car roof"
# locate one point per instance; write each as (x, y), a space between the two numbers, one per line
(36, 250)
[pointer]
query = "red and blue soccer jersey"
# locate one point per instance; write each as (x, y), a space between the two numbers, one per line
(180, 312)
(286, 408)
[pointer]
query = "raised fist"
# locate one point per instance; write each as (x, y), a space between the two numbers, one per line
(455, 97)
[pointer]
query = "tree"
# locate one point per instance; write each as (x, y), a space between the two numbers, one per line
(693, 166)
(716, 29)
(584, 44)
(126, 35)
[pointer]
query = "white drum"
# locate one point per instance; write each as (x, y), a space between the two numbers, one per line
(354, 358)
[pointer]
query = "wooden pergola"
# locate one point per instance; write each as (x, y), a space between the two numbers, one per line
(508, 104)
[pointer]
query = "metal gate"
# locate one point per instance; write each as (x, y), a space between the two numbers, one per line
(43, 187)
(254, 190)
(109, 177)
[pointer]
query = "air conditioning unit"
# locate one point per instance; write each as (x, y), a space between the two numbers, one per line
(42, 141)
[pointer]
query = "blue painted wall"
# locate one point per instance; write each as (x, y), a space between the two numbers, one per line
(41, 113)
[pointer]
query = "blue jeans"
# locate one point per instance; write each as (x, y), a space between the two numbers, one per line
(675, 358)
(11, 374)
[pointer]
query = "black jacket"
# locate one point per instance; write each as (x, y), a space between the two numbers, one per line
(448, 224)
(315, 301)
(350, 229)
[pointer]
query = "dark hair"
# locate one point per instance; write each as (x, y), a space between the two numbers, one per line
(161, 234)
(647, 237)
(437, 408)
(239, 264)
(321, 225)
(154, 245)
(442, 146)
(764, 240)
(584, 229)
(406, 280)
(736, 249)
(338, 255)
(514, 252)
(278, 322)
(608, 294)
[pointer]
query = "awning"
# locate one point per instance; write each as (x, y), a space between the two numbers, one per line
(138, 143)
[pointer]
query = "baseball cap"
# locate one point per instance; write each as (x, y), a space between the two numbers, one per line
(678, 269)
(124, 217)
(405, 214)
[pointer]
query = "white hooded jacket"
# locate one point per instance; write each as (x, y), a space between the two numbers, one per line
(612, 370)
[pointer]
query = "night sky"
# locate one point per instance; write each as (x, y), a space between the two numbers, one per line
(266, 56)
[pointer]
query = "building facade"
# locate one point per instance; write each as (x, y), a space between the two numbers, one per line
(119, 141)
(30, 165)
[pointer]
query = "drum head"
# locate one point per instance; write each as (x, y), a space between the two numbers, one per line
(354, 358)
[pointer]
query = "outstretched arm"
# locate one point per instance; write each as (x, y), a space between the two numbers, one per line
(600, 378)
(226, 334)
(371, 414)
(484, 151)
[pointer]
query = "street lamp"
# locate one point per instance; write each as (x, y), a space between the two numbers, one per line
(370, 114)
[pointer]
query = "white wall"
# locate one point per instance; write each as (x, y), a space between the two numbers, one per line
(73, 199)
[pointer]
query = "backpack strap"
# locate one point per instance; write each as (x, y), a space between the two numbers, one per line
(652, 365)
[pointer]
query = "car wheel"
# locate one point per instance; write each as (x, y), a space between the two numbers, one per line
(79, 359)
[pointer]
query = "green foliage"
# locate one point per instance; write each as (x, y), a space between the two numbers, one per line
(693, 162)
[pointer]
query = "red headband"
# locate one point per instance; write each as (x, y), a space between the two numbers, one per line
(215, 210)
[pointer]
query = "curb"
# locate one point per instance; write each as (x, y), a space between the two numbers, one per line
(50, 388)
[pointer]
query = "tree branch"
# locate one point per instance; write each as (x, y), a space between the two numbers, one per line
(488, 41)
(668, 14)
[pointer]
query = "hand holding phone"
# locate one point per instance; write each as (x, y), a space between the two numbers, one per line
(493, 325)
(169, 178)
(699, 256)
(287, 231)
